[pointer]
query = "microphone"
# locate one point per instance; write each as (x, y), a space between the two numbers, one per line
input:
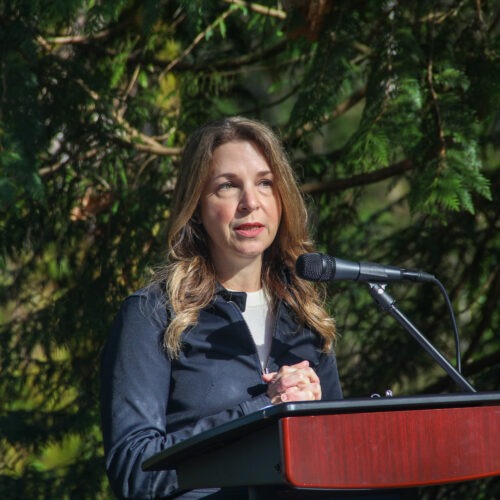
(321, 267)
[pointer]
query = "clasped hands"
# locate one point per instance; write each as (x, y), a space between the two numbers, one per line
(298, 382)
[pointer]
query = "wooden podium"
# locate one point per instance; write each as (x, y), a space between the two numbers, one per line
(365, 446)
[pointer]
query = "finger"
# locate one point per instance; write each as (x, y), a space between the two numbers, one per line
(269, 377)
(300, 378)
(305, 373)
(302, 364)
(274, 389)
(299, 375)
(295, 394)
(285, 396)
(276, 377)
(291, 380)
(302, 367)
(307, 396)
(287, 369)
(292, 368)
(311, 375)
(309, 392)
(312, 391)
(277, 399)
(316, 390)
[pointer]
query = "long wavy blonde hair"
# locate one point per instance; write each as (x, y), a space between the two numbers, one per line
(189, 276)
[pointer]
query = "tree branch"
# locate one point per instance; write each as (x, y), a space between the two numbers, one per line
(73, 39)
(49, 171)
(259, 9)
(131, 134)
(491, 290)
(149, 145)
(339, 110)
(244, 60)
(100, 36)
(434, 98)
(358, 180)
(197, 40)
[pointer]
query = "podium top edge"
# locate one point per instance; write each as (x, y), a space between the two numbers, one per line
(266, 416)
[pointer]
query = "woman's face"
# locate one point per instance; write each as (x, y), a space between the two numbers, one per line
(240, 206)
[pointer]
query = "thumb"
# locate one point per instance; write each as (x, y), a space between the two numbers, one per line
(268, 377)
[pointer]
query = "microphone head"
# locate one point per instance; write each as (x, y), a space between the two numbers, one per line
(315, 267)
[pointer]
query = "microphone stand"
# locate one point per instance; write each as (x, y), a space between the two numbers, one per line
(388, 304)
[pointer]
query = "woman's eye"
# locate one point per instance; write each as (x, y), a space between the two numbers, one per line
(266, 182)
(224, 186)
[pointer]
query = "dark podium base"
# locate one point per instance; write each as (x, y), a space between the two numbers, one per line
(270, 493)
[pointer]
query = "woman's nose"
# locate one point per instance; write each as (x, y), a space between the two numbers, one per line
(249, 200)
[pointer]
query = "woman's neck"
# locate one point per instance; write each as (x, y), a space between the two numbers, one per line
(243, 278)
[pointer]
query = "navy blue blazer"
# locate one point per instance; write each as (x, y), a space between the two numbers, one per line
(150, 402)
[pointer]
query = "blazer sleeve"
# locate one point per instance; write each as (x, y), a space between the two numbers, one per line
(328, 374)
(135, 384)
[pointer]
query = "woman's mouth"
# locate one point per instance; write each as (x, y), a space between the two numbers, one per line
(249, 229)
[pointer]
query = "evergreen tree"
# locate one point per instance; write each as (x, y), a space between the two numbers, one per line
(389, 111)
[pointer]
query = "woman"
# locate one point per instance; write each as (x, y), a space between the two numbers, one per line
(227, 328)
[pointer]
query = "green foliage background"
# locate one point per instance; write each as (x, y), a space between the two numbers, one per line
(389, 111)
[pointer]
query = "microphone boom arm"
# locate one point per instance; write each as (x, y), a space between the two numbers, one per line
(388, 304)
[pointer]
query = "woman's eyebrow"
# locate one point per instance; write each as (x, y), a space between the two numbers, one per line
(232, 175)
(224, 174)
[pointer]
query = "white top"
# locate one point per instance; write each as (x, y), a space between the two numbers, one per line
(259, 319)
